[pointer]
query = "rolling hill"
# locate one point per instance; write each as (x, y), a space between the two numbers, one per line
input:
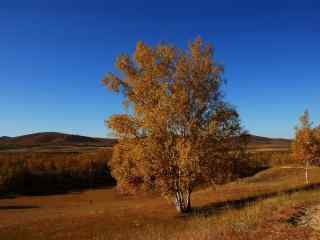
(54, 141)
(258, 143)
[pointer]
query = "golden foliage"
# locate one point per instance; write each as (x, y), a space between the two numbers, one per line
(306, 145)
(179, 131)
(42, 172)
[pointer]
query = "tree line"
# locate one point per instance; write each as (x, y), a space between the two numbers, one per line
(50, 172)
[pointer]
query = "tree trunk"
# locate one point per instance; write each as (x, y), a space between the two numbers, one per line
(189, 200)
(178, 203)
(307, 176)
(183, 201)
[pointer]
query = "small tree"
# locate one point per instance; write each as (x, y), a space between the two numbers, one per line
(306, 144)
(179, 132)
(316, 147)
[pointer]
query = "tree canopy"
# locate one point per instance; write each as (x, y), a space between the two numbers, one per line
(178, 130)
(306, 144)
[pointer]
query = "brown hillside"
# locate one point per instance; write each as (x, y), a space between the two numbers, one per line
(258, 143)
(54, 138)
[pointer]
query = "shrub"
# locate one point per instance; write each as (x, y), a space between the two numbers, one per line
(42, 172)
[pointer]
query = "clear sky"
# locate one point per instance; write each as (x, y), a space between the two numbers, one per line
(54, 53)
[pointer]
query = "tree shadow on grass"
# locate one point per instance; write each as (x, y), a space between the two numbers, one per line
(17, 207)
(214, 208)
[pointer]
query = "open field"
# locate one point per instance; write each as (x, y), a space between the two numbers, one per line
(263, 205)
(231, 211)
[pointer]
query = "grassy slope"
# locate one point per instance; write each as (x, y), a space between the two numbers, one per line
(258, 144)
(260, 206)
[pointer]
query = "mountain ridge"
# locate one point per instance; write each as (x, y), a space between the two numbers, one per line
(54, 138)
(64, 139)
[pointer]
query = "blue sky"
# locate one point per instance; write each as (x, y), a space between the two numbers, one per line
(53, 55)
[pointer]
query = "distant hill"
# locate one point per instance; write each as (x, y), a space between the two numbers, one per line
(4, 138)
(54, 141)
(258, 143)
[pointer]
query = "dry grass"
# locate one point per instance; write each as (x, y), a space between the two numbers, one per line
(248, 209)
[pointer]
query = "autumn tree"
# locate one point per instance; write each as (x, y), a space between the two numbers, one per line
(306, 144)
(178, 130)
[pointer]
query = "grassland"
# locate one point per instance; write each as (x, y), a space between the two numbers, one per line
(261, 206)
(265, 206)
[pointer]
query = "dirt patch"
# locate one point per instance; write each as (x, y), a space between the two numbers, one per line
(306, 217)
(312, 218)
(297, 218)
